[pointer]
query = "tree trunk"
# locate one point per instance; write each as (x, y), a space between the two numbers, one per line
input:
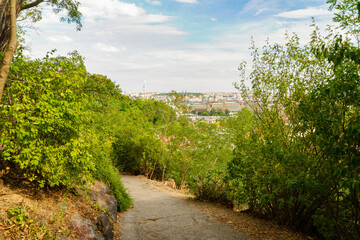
(182, 177)
(8, 56)
(152, 172)
(5, 23)
(163, 173)
(164, 166)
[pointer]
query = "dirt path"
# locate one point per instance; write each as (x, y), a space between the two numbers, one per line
(164, 215)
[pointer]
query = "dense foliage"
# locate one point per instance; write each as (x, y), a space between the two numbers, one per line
(297, 159)
(51, 114)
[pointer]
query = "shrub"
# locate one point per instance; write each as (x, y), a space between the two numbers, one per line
(297, 156)
(52, 124)
(213, 185)
(137, 152)
(41, 121)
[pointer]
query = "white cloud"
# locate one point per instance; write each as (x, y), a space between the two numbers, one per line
(260, 11)
(59, 39)
(109, 9)
(213, 19)
(187, 1)
(107, 48)
(118, 11)
(140, 32)
(306, 13)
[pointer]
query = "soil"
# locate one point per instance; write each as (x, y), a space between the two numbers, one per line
(48, 211)
(161, 212)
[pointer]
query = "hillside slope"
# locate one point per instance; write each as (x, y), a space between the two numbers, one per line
(29, 213)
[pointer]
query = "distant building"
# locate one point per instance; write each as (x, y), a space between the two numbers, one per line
(218, 106)
(201, 102)
(199, 107)
(232, 106)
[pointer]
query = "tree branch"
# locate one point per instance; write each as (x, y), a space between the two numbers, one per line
(8, 56)
(30, 5)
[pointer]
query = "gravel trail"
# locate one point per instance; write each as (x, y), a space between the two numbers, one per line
(164, 216)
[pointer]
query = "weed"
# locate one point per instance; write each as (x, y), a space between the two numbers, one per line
(23, 227)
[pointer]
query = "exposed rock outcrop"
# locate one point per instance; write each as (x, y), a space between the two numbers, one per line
(84, 228)
(103, 225)
(100, 194)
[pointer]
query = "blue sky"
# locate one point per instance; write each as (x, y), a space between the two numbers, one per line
(182, 45)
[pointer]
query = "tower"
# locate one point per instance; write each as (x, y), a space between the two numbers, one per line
(144, 88)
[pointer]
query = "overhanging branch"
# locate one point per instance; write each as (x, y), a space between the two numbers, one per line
(30, 5)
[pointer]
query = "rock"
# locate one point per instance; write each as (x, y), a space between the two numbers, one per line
(100, 193)
(84, 228)
(104, 226)
(171, 183)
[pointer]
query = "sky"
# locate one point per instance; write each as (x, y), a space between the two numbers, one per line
(181, 45)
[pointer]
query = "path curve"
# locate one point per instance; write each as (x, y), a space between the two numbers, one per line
(159, 215)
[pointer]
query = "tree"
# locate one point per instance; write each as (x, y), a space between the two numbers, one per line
(10, 10)
(298, 159)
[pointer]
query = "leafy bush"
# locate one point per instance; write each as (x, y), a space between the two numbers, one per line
(105, 170)
(55, 124)
(213, 185)
(137, 152)
(297, 154)
(41, 121)
(104, 117)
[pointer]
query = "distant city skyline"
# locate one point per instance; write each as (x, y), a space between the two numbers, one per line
(185, 91)
(192, 45)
